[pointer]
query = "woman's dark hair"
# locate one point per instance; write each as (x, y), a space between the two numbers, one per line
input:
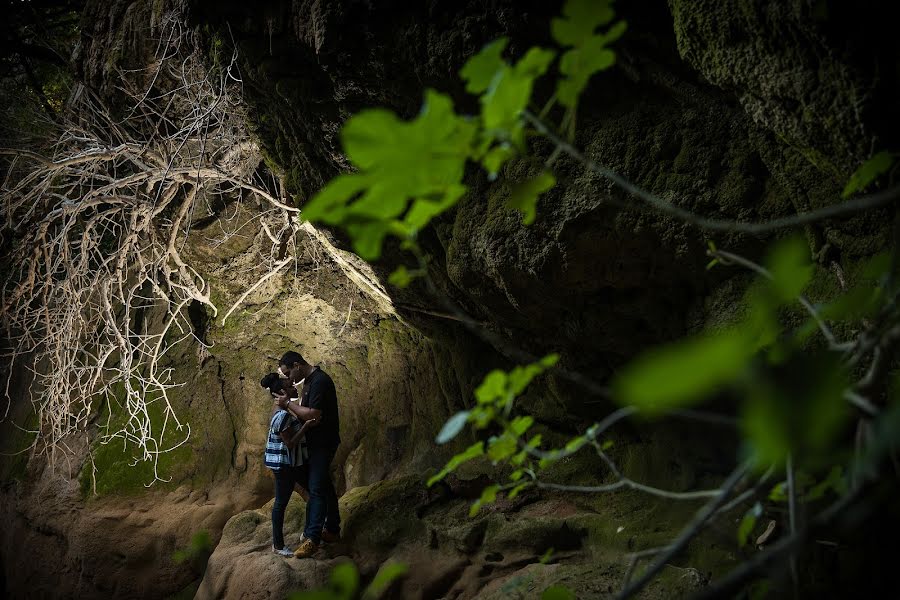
(272, 382)
(291, 357)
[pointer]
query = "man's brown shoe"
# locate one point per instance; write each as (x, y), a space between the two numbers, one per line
(306, 549)
(329, 537)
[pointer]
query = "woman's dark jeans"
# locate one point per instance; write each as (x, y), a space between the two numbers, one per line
(322, 508)
(285, 478)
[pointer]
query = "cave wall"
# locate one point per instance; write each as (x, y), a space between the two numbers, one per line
(731, 109)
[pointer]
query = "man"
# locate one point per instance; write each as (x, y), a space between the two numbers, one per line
(319, 402)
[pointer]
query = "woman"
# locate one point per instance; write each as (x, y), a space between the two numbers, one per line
(284, 456)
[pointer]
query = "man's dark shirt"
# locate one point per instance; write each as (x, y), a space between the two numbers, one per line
(319, 392)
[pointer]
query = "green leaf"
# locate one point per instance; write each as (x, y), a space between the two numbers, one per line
(834, 481)
(452, 427)
(516, 475)
(492, 387)
(748, 523)
(778, 493)
(868, 172)
(535, 63)
(479, 71)
(367, 238)
(501, 447)
(682, 373)
(797, 408)
(557, 592)
(329, 205)
(546, 556)
(517, 490)
(401, 277)
(520, 425)
(424, 210)
(575, 444)
(759, 590)
(344, 580)
(488, 496)
(473, 451)
(549, 361)
(496, 157)
(483, 415)
(790, 268)
(510, 92)
(580, 19)
(387, 574)
(519, 458)
(606, 445)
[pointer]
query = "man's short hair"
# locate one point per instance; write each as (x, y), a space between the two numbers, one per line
(291, 358)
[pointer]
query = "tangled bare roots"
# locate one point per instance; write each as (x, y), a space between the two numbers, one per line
(96, 289)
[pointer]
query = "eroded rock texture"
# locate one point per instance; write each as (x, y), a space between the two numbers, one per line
(731, 109)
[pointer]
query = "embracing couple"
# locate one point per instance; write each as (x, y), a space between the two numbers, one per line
(303, 438)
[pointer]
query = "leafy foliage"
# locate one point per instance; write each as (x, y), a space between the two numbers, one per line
(589, 53)
(410, 172)
(792, 399)
(343, 583)
(197, 553)
(868, 172)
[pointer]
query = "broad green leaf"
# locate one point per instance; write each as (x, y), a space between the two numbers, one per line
(367, 238)
(488, 496)
(778, 493)
(344, 580)
(505, 100)
(790, 268)
(683, 373)
(479, 71)
(549, 361)
(492, 387)
(367, 134)
(510, 92)
(386, 575)
(382, 201)
(501, 447)
(534, 63)
(473, 451)
(868, 172)
(759, 590)
(521, 424)
(521, 376)
(496, 158)
(483, 415)
(580, 19)
(516, 475)
(329, 205)
(326, 594)
(452, 427)
(424, 209)
(518, 490)
(796, 407)
(557, 592)
(834, 481)
(401, 277)
(575, 444)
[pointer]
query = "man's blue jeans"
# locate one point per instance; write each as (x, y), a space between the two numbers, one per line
(322, 508)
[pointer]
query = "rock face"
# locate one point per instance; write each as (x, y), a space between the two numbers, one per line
(500, 552)
(719, 109)
(728, 109)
